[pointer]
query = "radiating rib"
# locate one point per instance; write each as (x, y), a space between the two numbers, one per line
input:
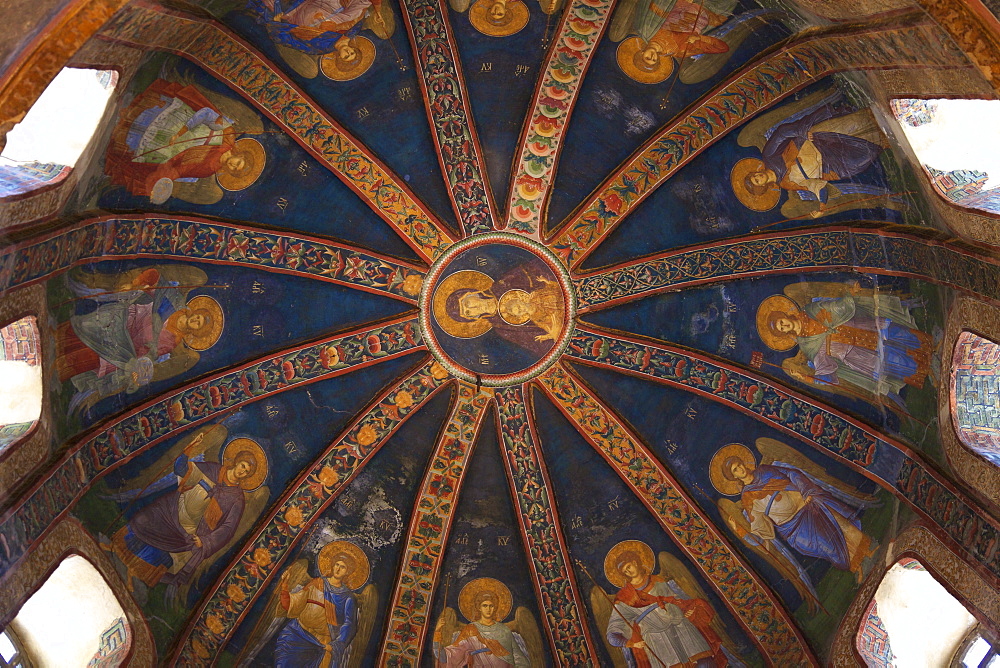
(579, 33)
(240, 66)
(866, 250)
(430, 524)
(569, 639)
(450, 114)
(234, 593)
(199, 240)
(111, 446)
(751, 602)
(889, 463)
(732, 102)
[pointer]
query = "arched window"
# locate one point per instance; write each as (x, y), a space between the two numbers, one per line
(20, 368)
(975, 394)
(72, 620)
(42, 149)
(961, 160)
(913, 621)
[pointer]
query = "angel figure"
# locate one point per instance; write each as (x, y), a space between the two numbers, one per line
(324, 35)
(178, 139)
(699, 33)
(852, 341)
(501, 18)
(324, 622)
(142, 326)
(809, 151)
(789, 504)
(487, 641)
(189, 507)
(658, 620)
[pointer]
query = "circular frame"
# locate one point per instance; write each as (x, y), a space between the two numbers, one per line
(544, 254)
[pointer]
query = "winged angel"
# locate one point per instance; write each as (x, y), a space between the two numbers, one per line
(486, 641)
(789, 504)
(699, 33)
(179, 139)
(812, 152)
(188, 508)
(659, 619)
(324, 622)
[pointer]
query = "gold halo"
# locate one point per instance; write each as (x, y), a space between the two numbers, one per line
(719, 480)
(205, 340)
(771, 339)
(358, 576)
(505, 299)
(467, 598)
(611, 571)
(738, 180)
(253, 153)
(460, 280)
(238, 446)
(512, 22)
(626, 55)
(336, 68)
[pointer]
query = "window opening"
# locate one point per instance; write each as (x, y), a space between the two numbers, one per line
(20, 368)
(43, 148)
(975, 394)
(10, 652)
(951, 139)
(73, 619)
(912, 621)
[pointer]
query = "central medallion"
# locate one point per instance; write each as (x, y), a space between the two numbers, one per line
(496, 309)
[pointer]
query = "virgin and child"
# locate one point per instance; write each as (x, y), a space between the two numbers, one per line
(523, 307)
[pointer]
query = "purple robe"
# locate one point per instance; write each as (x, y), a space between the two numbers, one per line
(158, 527)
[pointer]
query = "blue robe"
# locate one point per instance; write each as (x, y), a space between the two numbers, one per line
(298, 648)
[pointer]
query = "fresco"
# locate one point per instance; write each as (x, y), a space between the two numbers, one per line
(334, 384)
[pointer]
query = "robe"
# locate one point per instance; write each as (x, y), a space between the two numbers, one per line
(324, 624)
(494, 646)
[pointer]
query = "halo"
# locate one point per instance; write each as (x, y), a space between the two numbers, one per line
(505, 299)
(473, 280)
(611, 571)
(723, 484)
(203, 340)
(512, 22)
(238, 446)
(357, 576)
(626, 55)
(738, 180)
(467, 597)
(253, 153)
(336, 68)
(771, 339)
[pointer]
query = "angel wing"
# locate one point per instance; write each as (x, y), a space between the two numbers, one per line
(600, 603)
(181, 359)
(756, 132)
(550, 6)
(253, 505)
(182, 274)
(205, 441)
(772, 450)
(202, 191)
(367, 607)
(447, 626)
(306, 65)
(672, 568)
(621, 22)
(273, 617)
(798, 367)
(381, 20)
(524, 625)
(781, 560)
(459, 5)
(734, 32)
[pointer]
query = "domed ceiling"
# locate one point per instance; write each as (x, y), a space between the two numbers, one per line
(422, 307)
